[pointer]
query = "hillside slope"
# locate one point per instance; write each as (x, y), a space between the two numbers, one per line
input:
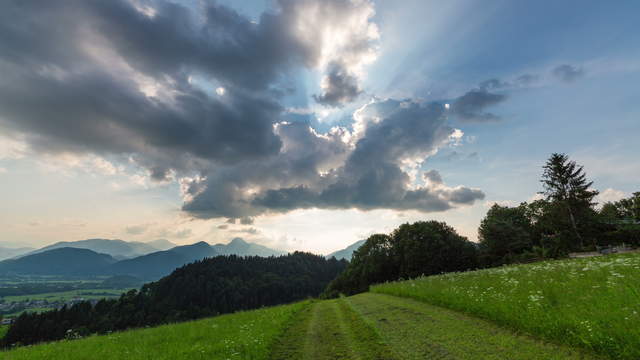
(589, 302)
(63, 261)
(366, 326)
(158, 264)
(243, 335)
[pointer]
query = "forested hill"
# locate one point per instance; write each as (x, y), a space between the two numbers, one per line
(208, 287)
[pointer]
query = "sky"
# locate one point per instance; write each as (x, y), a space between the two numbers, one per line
(303, 124)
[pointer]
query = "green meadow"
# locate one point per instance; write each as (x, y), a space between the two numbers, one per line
(593, 303)
(568, 309)
(243, 335)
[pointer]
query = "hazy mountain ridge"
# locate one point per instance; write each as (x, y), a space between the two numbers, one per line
(63, 261)
(73, 261)
(8, 252)
(117, 248)
(347, 252)
(240, 247)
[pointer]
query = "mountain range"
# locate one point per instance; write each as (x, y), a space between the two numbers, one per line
(119, 249)
(104, 257)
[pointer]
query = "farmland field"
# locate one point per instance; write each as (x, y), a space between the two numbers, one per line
(86, 294)
(592, 303)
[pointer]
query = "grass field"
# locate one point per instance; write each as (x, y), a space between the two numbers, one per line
(593, 303)
(377, 326)
(363, 327)
(584, 308)
(243, 335)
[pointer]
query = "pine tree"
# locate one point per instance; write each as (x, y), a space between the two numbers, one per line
(565, 183)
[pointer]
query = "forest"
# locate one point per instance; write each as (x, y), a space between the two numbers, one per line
(209, 287)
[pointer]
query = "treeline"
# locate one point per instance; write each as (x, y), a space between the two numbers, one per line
(422, 248)
(208, 287)
(564, 220)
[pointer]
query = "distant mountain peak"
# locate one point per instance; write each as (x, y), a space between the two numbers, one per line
(238, 241)
(199, 244)
(162, 244)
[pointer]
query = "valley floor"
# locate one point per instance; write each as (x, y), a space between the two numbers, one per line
(378, 326)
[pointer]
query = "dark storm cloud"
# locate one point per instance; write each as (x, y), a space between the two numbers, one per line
(105, 78)
(339, 87)
(568, 73)
(433, 176)
(471, 106)
(372, 176)
(60, 94)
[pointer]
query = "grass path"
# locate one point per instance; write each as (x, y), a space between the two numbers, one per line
(379, 326)
(330, 330)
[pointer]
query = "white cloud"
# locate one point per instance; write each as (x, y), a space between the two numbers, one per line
(610, 195)
(11, 148)
(340, 40)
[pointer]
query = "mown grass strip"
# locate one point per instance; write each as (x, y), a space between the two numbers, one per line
(242, 335)
(330, 330)
(416, 330)
(592, 302)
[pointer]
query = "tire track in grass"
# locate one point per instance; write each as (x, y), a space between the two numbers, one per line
(330, 330)
(416, 330)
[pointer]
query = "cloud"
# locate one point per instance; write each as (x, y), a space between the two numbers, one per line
(339, 40)
(610, 195)
(138, 84)
(183, 234)
(526, 80)
(366, 169)
(175, 234)
(493, 84)
(136, 229)
(246, 220)
(568, 73)
(471, 106)
(339, 87)
(433, 176)
(250, 231)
